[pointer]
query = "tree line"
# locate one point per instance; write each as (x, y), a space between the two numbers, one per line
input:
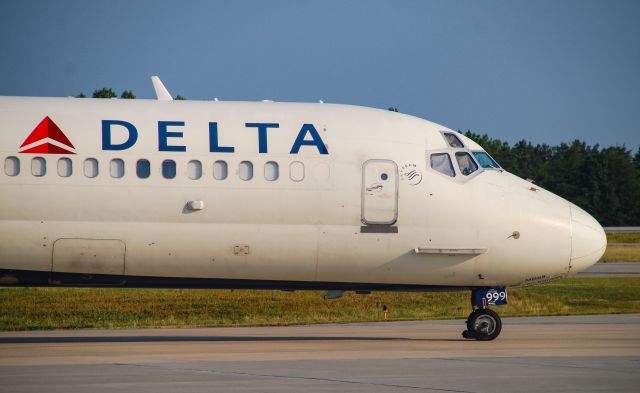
(107, 92)
(603, 181)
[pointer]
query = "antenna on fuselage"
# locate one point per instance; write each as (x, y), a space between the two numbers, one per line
(161, 92)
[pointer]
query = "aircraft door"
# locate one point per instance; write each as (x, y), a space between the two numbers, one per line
(379, 192)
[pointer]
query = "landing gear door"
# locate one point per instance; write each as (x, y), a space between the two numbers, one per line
(379, 192)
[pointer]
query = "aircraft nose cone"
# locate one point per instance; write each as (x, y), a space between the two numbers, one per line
(588, 240)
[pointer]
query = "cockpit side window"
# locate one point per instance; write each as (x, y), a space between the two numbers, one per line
(485, 160)
(453, 140)
(441, 162)
(466, 163)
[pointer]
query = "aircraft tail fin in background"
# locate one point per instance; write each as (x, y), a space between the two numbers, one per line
(161, 92)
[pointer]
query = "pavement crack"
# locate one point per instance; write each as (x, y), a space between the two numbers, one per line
(544, 364)
(300, 377)
(346, 381)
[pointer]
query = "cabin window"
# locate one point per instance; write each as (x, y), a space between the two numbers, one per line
(466, 163)
(441, 162)
(296, 171)
(485, 160)
(38, 166)
(91, 167)
(65, 167)
(143, 168)
(245, 170)
(168, 169)
(12, 166)
(453, 140)
(116, 168)
(220, 170)
(271, 171)
(194, 169)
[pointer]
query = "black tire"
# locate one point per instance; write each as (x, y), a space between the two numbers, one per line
(484, 324)
(467, 334)
(470, 318)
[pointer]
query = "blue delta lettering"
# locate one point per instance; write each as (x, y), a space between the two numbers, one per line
(169, 135)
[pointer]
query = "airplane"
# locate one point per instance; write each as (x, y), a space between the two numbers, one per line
(167, 193)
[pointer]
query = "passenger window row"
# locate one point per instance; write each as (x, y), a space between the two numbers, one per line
(168, 168)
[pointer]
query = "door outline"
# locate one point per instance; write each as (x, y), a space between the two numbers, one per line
(395, 192)
(88, 278)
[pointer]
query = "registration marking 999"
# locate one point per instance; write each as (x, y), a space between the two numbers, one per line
(484, 297)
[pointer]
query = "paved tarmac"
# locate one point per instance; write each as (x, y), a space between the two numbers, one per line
(611, 269)
(621, 229)
(548, 354)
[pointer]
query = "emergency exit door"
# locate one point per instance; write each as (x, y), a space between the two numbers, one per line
(379, 192)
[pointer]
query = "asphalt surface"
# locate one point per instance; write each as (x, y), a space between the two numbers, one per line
(621, 229)
(550, 354)
(610, 269)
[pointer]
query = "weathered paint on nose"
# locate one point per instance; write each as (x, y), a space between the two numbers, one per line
(588, 240)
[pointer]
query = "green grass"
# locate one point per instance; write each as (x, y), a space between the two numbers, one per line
(623, 237)
(71, 308)
(621, 254)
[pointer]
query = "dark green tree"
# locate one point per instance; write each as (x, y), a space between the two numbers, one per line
(392, 109)
(179, 97)
(128, 94)
(623, 185)
(104, 93)
(81, 95)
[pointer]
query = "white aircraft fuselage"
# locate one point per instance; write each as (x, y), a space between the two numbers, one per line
(314, 196)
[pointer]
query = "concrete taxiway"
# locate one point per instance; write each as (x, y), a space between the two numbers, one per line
(612, 269)
(568, 354)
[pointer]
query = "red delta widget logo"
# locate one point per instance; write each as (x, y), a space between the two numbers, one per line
(47, 138)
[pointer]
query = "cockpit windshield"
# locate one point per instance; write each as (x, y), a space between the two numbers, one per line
(453, 140)
(485, 160)
(465, 163)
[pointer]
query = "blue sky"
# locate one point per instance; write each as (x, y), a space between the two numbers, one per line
(544, 71)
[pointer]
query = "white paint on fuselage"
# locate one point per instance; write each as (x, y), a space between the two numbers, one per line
(296, 231)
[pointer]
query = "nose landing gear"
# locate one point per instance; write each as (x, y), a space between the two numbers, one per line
(485, 324)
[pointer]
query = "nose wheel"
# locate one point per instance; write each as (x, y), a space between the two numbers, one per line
(483, 324)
